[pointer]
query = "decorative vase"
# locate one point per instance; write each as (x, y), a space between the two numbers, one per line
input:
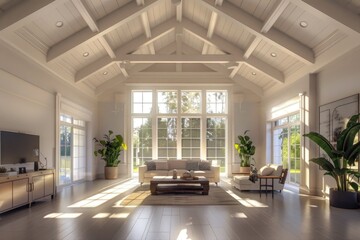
(111, 172)
(342, 199)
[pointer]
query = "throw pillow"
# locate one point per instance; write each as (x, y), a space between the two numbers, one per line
(266, 171)
(204, 165)
(150, 165)
(192, 165)
(161, 165)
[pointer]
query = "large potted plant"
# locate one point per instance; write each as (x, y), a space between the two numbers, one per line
(109, 150)
(246, 149)
(340, 157)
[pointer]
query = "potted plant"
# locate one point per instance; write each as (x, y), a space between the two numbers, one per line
(109, 150)
(246, 149)
(340, 157)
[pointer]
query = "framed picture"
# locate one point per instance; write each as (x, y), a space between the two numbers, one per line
(334, 116)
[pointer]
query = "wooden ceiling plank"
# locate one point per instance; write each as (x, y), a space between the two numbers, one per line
(339, 16)
(106, 25)
(254, 25)
(24, 12)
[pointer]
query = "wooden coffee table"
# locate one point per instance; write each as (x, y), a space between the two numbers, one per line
(167, 184)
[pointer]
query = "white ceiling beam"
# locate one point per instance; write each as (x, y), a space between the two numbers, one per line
(105, 43)
(210, 58)
(140, 2)
(275, 14)
(126, 48)
(338, 16)
(146, 25)
(254, 26)
(179, 35)
(219, 2)
(86, 14)
(252, 47)
(122, 66)
(178, 4)
(235, 70)
(24, 12)
(107, 24)
(226, 46)
(211, 28)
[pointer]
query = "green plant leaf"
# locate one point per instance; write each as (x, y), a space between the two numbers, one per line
(322, 142)
(323, 163)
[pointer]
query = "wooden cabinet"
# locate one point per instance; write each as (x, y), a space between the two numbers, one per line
(43, 186)
(20, 190)
(23, 189)
(5, 196)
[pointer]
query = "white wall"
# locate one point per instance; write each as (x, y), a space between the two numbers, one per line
(28, 102)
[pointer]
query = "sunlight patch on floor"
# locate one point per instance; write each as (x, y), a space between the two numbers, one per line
(238, 215)
(63, 215)
(183, 235)
(247, 202)
(104, 196)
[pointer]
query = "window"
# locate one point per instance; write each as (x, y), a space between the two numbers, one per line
(286, 145)
(188, 124)
(72, 166)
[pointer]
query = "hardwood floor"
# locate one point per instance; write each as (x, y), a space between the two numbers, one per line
(93, 210)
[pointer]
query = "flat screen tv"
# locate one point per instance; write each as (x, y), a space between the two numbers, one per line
(18, 147)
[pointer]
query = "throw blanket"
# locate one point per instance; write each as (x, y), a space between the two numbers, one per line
(253, 173)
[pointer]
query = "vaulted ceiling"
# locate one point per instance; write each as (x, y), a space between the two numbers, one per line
(256, 44)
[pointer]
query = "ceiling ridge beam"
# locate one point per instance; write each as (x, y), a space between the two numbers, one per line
(226, 46)
(106, 24)
(254, 26)
(179, 6)
(178, 39)
(338, 15)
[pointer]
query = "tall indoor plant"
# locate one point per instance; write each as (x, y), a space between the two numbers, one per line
(246, 149)
(109, 150)
(341, 156)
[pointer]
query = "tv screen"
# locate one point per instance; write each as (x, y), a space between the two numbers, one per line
(18, 147)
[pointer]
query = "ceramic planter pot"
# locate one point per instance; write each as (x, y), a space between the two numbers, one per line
(245, 170)
(111, 172)
(341, 199)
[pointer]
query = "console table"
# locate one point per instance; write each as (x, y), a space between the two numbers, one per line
(168, 184)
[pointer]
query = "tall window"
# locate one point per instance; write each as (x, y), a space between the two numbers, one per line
(72, 165)
(188, 124)
(286, 145)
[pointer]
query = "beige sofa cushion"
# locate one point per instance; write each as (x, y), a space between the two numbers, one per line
(150, 174)
(161, 165)
(177, 164)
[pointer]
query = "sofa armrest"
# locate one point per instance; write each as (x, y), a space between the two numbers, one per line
(216, 171)
(142, 170)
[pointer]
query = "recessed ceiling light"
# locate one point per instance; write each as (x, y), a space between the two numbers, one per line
(105, 73)
(59, 24)
(303, 24)
(253, 73)
(85, 54)
(273, 54)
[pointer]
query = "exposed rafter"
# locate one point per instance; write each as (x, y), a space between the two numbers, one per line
(275, 14)
(179, 5)
(254, 25)
(179, 42)
(224, 45)
(211, 28)
(131, 46)
(86, 14)
(106, 25)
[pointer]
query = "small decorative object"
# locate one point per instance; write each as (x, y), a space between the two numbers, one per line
(192, 173)
(186, 175)
(109, 150)
(174, 174)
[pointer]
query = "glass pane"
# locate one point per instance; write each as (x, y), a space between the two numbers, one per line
(142, 140)
(215, 140)
(190, 101)
(167, 133)
(216, 101)
(167, 101)
(142, 101)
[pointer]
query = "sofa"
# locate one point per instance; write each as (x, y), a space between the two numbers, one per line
(242, 182)
(165, 168)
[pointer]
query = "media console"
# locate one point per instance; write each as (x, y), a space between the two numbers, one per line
(23, 189)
